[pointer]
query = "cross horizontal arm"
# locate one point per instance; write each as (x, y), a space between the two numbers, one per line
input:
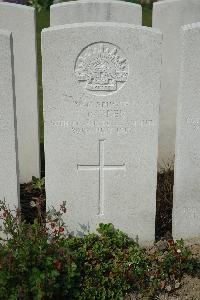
(88, 167)
(110, 167)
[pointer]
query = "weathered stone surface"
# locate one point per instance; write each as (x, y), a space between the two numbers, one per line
(20, 20)
(96, 11)
(9, 187)
(169, 16)
(186, 211)
(101, 97)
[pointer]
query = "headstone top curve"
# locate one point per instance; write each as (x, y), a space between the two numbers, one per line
(95, 1)
(166, 2)
(17, 6)
(103, 24)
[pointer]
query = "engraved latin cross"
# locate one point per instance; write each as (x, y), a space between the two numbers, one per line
(101, 168)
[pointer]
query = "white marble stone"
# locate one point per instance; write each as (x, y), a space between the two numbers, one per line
(101, 98)
(95, 11)
(186, 212)
(9, 187)
(20, 20)
(169, 16)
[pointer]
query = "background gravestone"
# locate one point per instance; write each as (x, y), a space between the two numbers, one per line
(168, 17)
(9, 189)
(20, 20)
(101, 98)
(95, 11)
(186, 211)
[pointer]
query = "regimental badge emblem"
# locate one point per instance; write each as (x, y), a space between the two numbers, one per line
(101, 68)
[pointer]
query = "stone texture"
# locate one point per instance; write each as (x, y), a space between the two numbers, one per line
(186, 214)
(95, 11)
(20, 20)
(169, 16)
(101, 97)
(9, 187)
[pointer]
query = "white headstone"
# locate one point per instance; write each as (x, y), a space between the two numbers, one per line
(9, 188)
(101, 97)
(168, 17)
(20, 20)
(186, 211)
(95, 11)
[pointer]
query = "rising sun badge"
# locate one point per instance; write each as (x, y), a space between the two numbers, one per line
(101, 68)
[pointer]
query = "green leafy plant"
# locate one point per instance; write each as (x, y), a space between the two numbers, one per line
(35, 3)
(167, 266)
(110, 263)
(40, 4)
(33, 262)
(38, 183)
(43, 261)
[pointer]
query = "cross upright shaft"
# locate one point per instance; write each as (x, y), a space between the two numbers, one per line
(101, 167)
